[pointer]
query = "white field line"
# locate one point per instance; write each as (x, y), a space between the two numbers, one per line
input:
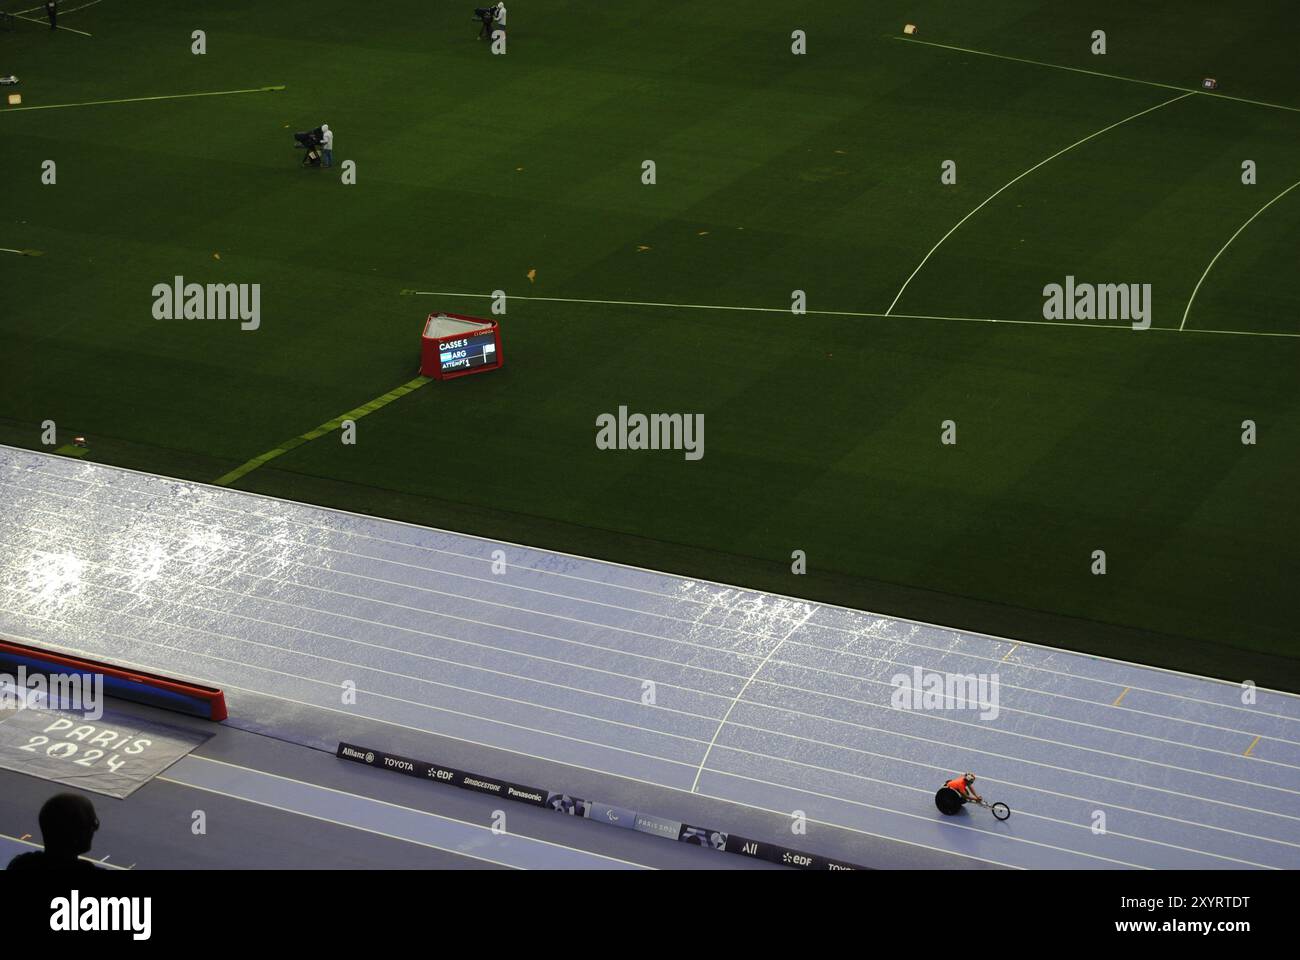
(1197, 288)
(1098, 73)
(62, 13)
(840, 313)
(169, 96)
(1016, 179)
(45, 23)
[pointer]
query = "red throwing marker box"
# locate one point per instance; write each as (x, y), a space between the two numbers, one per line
(454, 346)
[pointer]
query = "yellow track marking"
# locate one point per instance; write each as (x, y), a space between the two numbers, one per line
(323, 429)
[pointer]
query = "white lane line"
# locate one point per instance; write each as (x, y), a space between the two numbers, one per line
(924, 260)
(732, 706)
(856, 678)
(37, 846)
(643, 656)
(818, 647)
(835, 745)
(175, 774)
(947, 822)
(1096, 73)
(852, 313)
(1138, 734)
(763, 730)
(1215, 260)
(740, 776)
(240, 664)
(353, 716)
(724, 587)
(581, 690)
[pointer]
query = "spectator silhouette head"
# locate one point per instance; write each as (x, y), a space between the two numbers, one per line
(68, 825)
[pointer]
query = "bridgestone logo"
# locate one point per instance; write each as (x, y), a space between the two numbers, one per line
(483, 785)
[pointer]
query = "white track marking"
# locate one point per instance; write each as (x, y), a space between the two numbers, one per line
(37, 846)
(577, 666)
(384, 803)
(1197, 288)
(570, 764)
(1096, 73)
(898, 641)
(737, 776)
(338, 823)
(570, 664)
(668, 760)
(726, 587)
(866, 314)
(726, 716)
(947, 822)
(924, 260)
(651, 614)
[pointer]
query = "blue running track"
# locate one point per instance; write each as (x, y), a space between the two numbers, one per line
(762, 700)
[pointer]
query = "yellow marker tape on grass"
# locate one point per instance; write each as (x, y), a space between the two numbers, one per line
(323, 429)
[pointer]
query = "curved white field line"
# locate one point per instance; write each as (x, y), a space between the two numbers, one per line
(1197, 288)
(1018, 178)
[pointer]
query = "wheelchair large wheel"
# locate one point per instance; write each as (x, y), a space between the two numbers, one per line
(948, 801)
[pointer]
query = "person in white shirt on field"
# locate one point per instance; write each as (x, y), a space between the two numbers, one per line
(500, 15)
(327, 143)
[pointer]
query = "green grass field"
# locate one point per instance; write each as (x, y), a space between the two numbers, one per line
(775, 172)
